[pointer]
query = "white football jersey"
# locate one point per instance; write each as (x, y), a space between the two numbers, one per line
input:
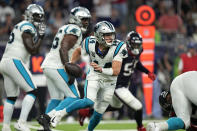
(115, 53)
(15, 47)
(53, 59)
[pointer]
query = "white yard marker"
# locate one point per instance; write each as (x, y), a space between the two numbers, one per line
(40, 128)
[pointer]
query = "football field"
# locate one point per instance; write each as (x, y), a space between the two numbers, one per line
(121, 125)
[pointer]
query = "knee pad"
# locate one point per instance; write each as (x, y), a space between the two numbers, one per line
(127, 98)
(33, 93)
(176, 123)
(11, 100)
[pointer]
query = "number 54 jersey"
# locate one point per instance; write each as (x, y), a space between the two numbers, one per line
(116, 52)
(53, 59)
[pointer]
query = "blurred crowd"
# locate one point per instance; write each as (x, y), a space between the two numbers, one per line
(176, 27)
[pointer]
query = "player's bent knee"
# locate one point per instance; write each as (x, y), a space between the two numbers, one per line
(127, 98)
(176, 123)
(33, 93)
(11, 99)
(108, 98)
(88, 102)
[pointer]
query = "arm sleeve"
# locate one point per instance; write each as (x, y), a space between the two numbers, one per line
(140, 67)
(85, 47)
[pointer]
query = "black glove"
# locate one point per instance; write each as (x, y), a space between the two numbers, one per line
(73, 70)
(71, 79)
(41, 30)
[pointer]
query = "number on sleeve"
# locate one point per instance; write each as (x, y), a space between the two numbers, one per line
(11, 38)
(55, 43)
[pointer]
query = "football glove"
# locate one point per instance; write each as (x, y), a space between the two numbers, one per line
(41, 30)
(73, 70)
(151, 76)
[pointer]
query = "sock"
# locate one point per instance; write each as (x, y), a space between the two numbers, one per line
(8, 111)
(79, 104)
(138, 117)
(51, 113)
(94, 120)
(175, 123)
(63, 104)
(27, 104)
(52, 105)
(163, 126)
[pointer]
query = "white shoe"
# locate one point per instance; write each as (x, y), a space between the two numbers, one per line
(6, 127)
(152, 127)
(57, 118)
(21, 126)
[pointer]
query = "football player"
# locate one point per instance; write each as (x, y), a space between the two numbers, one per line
(24, 41)
(59, 72)
(165, 102)
(182, 98)
(122, 94)
(106, 54)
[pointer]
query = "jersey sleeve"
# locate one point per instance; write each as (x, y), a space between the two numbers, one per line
(85, 46)
(120, 52)
(73, 30)
(28, 28)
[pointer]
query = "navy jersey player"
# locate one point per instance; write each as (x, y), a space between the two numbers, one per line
(25, 40)
(122, 94)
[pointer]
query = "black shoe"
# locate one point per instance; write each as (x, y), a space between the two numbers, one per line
(44, 120)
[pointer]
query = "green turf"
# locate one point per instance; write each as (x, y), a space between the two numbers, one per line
(77, 127)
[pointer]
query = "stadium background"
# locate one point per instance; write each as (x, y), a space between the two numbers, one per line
(170, 41)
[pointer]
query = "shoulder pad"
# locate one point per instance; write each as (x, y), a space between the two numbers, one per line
(26, 26)
(72, 29)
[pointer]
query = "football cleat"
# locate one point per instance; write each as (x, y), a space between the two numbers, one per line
(142, 128)
(21, 126)
(44, 120)
(6, 127)
(152, 127)
(57, 118)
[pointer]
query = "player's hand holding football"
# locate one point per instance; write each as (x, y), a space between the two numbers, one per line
(151, 76)
(74, 71)
(96, 67)
(41, 30)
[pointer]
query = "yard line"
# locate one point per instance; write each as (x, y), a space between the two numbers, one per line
(113, 130)
(40, 128)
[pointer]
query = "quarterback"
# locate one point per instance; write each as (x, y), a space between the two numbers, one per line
(106, 54)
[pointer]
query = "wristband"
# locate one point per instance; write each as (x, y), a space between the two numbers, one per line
(107, 71)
